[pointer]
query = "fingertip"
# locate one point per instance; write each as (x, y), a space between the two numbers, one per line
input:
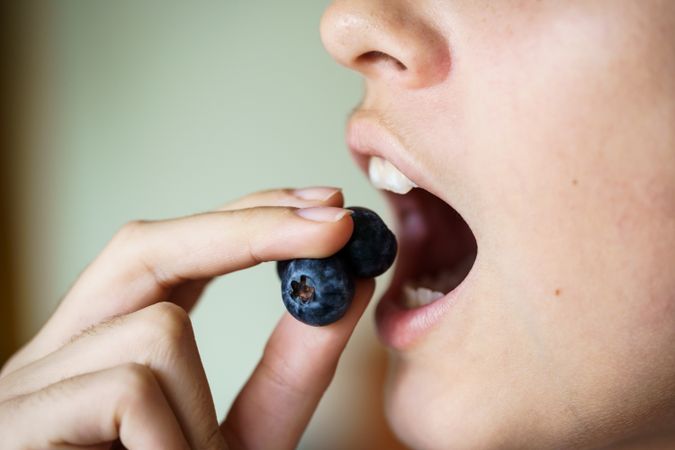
(316, 232)
(289, 197)
(336, 199)
(321, 194)
(329, 214)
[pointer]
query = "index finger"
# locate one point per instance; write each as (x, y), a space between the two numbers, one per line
(299, 198)
(147, 259)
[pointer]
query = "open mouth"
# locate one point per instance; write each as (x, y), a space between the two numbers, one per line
(436, 246)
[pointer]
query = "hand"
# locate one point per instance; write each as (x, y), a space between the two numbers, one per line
(118, 359)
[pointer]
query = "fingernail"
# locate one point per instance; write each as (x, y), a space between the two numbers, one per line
(321, 193)
(322, 213)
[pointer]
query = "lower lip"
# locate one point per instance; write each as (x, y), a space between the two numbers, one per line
(400, 328)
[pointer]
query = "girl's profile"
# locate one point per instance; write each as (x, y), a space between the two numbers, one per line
(526, 150)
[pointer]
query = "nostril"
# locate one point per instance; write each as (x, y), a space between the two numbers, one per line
(386, 44)
(377, 57)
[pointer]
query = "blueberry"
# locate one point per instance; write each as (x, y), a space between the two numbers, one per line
(281, 268)
(372, 248)
(316, 291)
(319, 291)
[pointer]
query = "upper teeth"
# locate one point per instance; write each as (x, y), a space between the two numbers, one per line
(384, 175)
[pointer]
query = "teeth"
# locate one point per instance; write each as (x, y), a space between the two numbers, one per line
(430, 288)
(416, 297)
(383, 175)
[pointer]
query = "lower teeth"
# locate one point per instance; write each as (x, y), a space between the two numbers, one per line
(416, 297)
(430, 288)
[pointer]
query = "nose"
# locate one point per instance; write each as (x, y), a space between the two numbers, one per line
(386, 41)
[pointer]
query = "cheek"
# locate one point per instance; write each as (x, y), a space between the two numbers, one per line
(570, 156)
(581, 168)
(563, 164)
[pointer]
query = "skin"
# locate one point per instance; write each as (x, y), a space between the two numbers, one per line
(118, 359)
(550, 127)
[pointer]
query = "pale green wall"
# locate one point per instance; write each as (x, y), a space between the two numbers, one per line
(156, 109)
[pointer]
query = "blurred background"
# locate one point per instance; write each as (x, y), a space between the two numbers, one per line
(113, 111)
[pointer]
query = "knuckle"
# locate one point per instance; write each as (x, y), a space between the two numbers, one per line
(283, 371)
(130, 230)
(170, 323)
(276, 370)
(10, 365)
(135, 381)
(127, 237)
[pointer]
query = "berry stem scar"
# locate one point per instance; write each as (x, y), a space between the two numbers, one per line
(319, 291)
(302, 289)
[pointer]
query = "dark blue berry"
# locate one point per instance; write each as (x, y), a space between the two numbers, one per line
(281, 267)
(319, 291)
(372, 248)
(316, 291)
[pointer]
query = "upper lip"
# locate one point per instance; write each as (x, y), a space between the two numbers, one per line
(368, 136)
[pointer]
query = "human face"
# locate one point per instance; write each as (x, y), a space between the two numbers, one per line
(549, 127)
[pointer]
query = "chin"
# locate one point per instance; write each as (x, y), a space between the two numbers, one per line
(426, 413)
(431, 410)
